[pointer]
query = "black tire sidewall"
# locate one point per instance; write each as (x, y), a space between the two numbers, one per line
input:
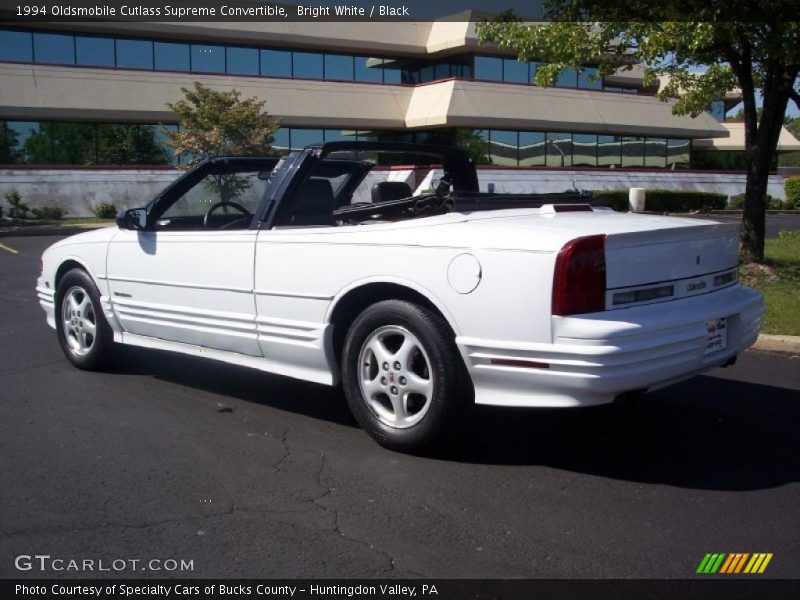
(437, 338)
(99, 355)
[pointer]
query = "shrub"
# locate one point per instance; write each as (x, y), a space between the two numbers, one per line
(792, 189)
(49, 213)
(665, 200)
(104, 210)
(616, 199)
(736, 202)
(18, 210)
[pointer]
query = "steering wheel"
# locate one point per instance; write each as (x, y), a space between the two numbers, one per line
(223, 204)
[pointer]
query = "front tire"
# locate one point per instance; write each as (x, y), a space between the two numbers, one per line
(403, 377)
(83, 332)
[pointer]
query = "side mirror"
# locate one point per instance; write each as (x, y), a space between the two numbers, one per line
(135, 218)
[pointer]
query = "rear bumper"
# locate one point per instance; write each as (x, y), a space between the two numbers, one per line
(596, 357)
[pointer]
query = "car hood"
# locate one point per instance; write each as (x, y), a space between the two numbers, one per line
(95, 236)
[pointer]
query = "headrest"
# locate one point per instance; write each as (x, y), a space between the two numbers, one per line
(314, 204)
(390, 190)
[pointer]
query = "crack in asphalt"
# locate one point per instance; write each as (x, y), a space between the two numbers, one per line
(337, 514)
(278, 466)
(316, 503)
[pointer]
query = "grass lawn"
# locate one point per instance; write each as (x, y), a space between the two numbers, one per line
(779, 281)
(82, 221)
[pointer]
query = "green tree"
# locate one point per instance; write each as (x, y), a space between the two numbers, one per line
(759, 51)
(791, 159)
(129, 145)
(10, 152)
(61, 143)
(220, 123)
(473, 145)
(794, 127)
(739, 116)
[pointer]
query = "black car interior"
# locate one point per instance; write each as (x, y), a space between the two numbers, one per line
(385, 191)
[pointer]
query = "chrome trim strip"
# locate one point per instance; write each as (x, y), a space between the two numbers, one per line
(125, 304)
(294, 295)
(173, 319)
(196, 327)
(196, 286)
(274, 332)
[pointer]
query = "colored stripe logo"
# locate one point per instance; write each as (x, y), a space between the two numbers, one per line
(734, 563)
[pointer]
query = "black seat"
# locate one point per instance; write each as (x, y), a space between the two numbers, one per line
(314, 204)
(390, 190)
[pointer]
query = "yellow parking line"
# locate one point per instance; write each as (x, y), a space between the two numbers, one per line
(7, 249)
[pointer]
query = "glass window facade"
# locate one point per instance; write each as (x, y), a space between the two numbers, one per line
(424, 72)
(655, 152)
(392, 72)
(340, 67)
(65, 143)
(134, 54)
(171, 55)
(515, 71)
(307, 65)
(531, 149)
(166, 55)
(276, 63)
(584, 150)
(241, 61)
(489, 68)
(54, 48)
(564, 149)
(47, 142)
(589, 80)
(208, 58)
(678, 153)
(510, 70)
(717, 110)
(94, 51)
(300, 138)
(632, 151)
(370, 69)
(16, 45)
(567, 78)
(559, 149)
(609, 151)
(503, 147)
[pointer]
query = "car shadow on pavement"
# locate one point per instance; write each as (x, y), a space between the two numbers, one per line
(231, 381)
(707, 433)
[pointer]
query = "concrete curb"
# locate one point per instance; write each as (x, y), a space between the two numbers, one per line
(778, 343)
(64, 230)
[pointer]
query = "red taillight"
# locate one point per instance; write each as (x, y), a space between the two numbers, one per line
(579, 282)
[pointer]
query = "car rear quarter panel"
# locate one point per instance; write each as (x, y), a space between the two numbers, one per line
(300, 278)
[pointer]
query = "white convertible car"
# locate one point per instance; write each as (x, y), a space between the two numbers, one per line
(419, 305)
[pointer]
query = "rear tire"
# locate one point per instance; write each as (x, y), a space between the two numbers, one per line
(403, 377)
(83, 332)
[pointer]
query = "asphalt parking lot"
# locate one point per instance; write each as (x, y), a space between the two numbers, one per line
(251, 475)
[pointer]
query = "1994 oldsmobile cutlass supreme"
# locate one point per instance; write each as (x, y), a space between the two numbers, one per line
(417, 304)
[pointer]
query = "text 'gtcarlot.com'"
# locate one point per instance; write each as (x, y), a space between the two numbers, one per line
(45, 562)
